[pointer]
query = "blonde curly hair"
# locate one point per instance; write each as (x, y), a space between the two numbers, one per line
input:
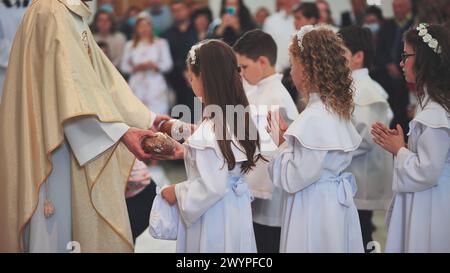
(325, 67)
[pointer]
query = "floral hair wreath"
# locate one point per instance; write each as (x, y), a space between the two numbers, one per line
(192, 53)
(193, 56)
(301, 33)
(427, 38)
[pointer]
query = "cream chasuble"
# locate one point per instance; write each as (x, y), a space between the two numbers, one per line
(58, 84)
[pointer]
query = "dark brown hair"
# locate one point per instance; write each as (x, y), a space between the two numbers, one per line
(308, 10)
(111, 18)
(356, 39)
(216, 62)
(432, 69)
(256, 43)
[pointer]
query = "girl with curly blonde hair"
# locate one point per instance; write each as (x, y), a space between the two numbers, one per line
(320, 215)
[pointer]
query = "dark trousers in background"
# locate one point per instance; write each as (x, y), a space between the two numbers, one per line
(367, 227)
(267, 238)
(139, 208)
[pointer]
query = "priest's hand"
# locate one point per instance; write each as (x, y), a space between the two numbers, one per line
(276, 127)
(392, 140)
(169, 194)
(133, 140)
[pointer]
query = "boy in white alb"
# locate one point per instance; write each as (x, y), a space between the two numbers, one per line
(371, 164)
(257, 54)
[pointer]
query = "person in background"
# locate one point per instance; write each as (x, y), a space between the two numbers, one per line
(181, 37)
(129, 21)
(146, 58)
(160, 15)
(261, 15)
(373, 20)
(446, 9)
(306, 14)
(235, 20)
(104, 30)
(280, 26)
(106, 5)
(371, 165)
(140, 193)
(194, 5)
(356, 15)
(202, 18)
(431, 12)
(389, 51)
(326, 17)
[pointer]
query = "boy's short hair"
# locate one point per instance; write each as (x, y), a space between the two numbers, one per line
(359, 39)
(256, 43)
(309, 10)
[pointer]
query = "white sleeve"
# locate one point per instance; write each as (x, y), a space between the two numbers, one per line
(165, 62)
(415, 172)
(125, 65)
(295, 167)
(363, 118)
(88, 137)
(196, 196)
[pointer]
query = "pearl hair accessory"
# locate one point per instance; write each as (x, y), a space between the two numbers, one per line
(301, 33)
(192, 54)
(427, 38)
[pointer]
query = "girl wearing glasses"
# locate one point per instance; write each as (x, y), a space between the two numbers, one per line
(419, 218)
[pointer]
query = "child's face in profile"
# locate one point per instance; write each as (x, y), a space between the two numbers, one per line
(196, 83)
(408, 64)
(251, 71)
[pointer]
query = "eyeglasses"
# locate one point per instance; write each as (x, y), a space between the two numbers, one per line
(405, 56)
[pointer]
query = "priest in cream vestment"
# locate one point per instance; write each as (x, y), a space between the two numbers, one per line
(70, 129)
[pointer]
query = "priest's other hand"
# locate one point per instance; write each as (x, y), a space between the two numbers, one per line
(169, 194)
(133, 140)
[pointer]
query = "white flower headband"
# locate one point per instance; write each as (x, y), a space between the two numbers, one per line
(192, 54)
(427, 38)
(301, 33)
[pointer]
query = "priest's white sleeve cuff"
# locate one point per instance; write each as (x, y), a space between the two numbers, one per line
(88, 137)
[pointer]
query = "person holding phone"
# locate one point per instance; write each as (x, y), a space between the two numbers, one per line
(235, 20)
